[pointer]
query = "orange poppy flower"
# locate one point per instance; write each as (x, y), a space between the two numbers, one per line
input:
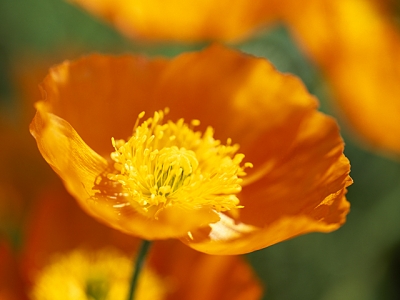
(65, 248)
(176, 180)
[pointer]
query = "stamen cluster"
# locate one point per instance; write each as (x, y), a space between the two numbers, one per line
(169, 163)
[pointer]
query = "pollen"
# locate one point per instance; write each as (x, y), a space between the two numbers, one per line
(167, 163)
(100, 275)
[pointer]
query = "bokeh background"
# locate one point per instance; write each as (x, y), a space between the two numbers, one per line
(360, 261)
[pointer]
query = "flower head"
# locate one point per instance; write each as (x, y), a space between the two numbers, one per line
(166, 164)
(99, 274)
(182, 174)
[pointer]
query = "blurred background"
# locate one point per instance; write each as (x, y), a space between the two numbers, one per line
(360, 261)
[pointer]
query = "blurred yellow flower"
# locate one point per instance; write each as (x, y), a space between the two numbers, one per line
(101, 274)
(170, 180)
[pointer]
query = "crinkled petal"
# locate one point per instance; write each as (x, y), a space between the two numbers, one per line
(242, 97)
(303, 192)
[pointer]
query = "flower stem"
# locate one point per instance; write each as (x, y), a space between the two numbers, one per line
(138, 264)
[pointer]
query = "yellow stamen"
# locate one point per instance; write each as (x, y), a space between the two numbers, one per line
(169, 163)
(102, 275)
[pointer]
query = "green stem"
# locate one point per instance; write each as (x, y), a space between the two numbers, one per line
(138, 264)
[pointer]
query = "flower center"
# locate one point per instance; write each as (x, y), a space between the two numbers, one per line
(172, 170)
(101, 275)
(169, 163)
